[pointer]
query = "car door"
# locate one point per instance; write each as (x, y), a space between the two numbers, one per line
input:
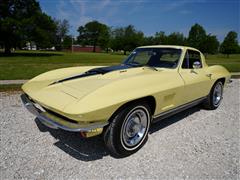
(168, 81)
(194, 75)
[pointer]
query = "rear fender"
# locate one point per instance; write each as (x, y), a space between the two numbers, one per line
(218, 72)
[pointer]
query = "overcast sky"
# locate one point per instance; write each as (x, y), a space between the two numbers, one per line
(216, 16)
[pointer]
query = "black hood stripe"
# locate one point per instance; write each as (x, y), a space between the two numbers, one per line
(95, 71)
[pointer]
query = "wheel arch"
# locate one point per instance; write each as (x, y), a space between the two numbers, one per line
(150, 100)
(223, 80)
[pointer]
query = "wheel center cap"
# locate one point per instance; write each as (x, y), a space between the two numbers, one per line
(133, 127)
(136, 128)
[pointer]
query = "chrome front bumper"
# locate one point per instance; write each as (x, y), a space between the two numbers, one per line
(56, 122)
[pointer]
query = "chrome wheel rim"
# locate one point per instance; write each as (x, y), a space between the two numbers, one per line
(217, 94)
(135, 128)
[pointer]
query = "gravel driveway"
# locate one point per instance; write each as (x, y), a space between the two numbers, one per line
(193, 144)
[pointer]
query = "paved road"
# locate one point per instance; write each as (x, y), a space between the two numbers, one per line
(7, 82)
(193, 144)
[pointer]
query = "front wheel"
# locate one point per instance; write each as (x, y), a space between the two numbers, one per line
(215, 96)
(128, 130)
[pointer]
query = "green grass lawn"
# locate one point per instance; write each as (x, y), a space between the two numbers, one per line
(232, 63)
(27, 64)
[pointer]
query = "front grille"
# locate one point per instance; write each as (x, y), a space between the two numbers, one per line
(60, 116)
(52, 112)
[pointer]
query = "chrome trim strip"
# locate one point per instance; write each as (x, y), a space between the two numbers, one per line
(177, 109)
(56, 125)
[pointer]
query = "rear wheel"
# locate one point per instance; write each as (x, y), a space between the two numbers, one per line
(215, 96)
(128, 130)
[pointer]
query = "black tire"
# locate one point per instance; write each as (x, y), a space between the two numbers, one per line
(210, 103)
(115, 134)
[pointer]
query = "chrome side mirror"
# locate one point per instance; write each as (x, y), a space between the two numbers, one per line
(197, 65)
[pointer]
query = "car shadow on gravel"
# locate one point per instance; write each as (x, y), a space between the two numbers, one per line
(91, 149)
(173, 119)
(84, 149)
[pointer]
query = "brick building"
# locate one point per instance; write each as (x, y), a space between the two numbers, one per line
(79, 48)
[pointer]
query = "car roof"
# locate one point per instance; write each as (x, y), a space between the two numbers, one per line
(169, 46)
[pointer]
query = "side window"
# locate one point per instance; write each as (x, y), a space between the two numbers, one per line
(191, 57)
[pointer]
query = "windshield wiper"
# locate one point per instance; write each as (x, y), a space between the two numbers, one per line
(151, 67)
(141, 65)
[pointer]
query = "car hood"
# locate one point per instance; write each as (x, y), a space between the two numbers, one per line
(87, 83)
(57, 89)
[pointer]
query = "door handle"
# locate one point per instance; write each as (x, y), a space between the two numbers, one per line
(209, 75)
(192, 71)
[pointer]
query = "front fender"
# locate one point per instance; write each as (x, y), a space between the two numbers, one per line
(103, 102)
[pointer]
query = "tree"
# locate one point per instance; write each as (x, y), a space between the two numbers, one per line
(67, 42)
(230, 44)
(197, 36)
(23, 21)
(160, 38)
(117, 39)
(175, 38)
(94, 33)
(211, 44)
(149, 40)
(42, 31)
(126, 38)
(133, 38)
(62, 33)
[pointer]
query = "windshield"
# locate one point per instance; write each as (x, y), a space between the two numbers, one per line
(155, 57)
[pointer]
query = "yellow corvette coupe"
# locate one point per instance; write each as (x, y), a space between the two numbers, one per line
(122, 101)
